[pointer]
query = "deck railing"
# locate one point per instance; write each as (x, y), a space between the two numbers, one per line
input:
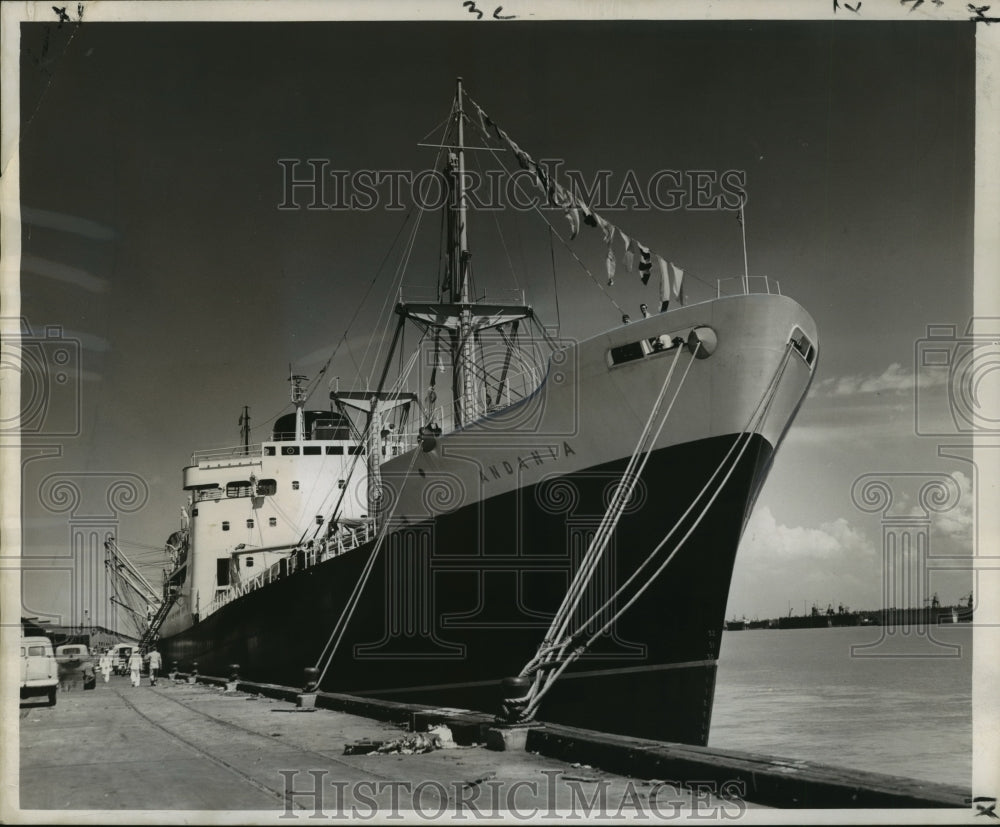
(298, 559)
(248, 453)
(743, 285)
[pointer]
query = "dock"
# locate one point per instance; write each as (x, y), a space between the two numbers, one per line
(200, 746)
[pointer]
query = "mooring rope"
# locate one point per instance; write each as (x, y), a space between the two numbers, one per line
(556, 651)
(345, 616)
(602, 536)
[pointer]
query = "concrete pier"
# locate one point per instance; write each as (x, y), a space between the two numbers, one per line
(197, 747)
(181, 746)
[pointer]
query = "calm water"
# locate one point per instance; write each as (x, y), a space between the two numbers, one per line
(798, 693)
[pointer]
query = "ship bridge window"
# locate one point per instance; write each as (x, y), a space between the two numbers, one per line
(270, 451)
(238, 488)
(315, 425)
(330, 429)
(355, 449)
(312, 450)
(289, 450)
(335, 449)
(803, 346)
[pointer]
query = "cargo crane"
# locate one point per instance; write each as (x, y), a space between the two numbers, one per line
(145, 607)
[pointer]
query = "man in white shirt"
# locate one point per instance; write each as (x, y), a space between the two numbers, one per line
(155, 662)
(135, 666)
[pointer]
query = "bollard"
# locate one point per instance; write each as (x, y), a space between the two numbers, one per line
(512, 699)
(511, 731)
(306, 699)
(193, 677)
(234, 677)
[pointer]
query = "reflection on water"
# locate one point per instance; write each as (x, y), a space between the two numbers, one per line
(799, 693)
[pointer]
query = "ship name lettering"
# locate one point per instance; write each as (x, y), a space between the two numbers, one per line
(537, 456)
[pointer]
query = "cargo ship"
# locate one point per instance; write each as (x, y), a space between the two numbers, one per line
(563, 519)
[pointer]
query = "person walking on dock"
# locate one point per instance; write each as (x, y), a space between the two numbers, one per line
(155, 662)
(105, 665)
(135, 666)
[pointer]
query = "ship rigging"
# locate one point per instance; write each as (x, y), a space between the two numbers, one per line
(412, 548)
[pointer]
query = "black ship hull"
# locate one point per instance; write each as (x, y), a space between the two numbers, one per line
(455, 604)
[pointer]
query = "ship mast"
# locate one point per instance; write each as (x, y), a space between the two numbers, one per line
(457, 313)
(298, 400)
(245, 430)
(463, 344)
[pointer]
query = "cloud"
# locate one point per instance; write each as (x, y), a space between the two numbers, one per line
(63, 273)
(894, 379)
(88, 341)
(957, 522)
(780, 566)
(767, 538)
(869, 424)
(67, 224)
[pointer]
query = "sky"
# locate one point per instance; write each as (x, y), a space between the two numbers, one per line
(152, 236)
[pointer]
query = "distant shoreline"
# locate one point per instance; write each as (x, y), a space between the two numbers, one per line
(927, 616)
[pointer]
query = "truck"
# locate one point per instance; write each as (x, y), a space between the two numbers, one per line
(39, 670)
(75, 666)
(120, 654)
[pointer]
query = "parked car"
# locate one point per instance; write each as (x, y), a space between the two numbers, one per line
(39, 670)
(75, 665)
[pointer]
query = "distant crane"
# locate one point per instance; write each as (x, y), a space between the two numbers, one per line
(133, 592)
